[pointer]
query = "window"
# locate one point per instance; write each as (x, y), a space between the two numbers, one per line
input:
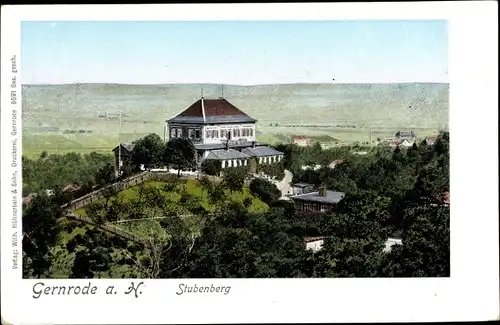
(209, 134)
(236, 132)
(250, 132)
(191, 133)
(173, 133)
(215, 133)
(179, 133)
(197, 134)
(223, 133)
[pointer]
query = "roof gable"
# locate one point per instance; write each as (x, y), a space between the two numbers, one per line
(127, 146)
(262, 151)
(212, 107)
(405, 134)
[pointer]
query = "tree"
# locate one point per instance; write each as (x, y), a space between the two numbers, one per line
(40, 231)
(216, 194)
(148, 151)
(205, 184)
(105, 175)
(266, 191)
(426, 244)
(180, 153)
(349, 257)
(211, 167)
(92, 254)
(234, 178)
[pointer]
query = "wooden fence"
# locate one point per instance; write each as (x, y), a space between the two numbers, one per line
(69, 208)
(97, 194)
(89, 198)
(109, 228)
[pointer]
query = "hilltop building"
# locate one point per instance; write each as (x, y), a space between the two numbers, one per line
(219, 131)
(222, 132)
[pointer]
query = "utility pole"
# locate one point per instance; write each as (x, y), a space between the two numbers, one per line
(120, 144)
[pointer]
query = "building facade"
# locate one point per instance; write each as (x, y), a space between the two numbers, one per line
(321, 201)
(123, 156)
(221, 132)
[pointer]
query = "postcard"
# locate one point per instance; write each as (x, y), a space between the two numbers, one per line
(249, 163)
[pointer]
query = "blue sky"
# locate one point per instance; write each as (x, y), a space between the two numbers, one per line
(239, 52)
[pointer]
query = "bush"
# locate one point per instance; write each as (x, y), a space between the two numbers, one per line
(265, 190)
(275, 169)
(234, 178)
(211, 167)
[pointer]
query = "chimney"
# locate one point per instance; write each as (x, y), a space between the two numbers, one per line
(322, 191)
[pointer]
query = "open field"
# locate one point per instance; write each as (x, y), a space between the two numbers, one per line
(62, 118)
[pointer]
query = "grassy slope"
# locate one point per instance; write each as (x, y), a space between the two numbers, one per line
(145, 107)
(64, 260)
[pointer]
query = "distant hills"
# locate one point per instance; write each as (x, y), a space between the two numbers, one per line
(83, 117)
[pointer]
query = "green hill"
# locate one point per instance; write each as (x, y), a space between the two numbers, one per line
(72, 117)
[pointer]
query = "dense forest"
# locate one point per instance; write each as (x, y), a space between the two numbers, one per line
(389, 193)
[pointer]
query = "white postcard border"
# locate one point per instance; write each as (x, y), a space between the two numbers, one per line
(471, 293)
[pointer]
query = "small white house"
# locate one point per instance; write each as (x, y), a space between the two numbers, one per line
(314, 243)
(391, 242)
(406, 144)
(316, 167)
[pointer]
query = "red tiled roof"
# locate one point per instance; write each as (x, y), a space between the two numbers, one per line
(213, 107)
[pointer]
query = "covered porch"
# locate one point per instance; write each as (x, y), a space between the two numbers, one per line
(228, 157)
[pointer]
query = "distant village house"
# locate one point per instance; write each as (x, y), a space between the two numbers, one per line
(431, 140)
(408, 135)
(301, 140)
